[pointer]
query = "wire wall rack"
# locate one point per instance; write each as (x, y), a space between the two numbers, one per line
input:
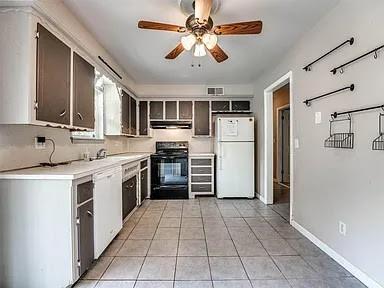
(339, 140)
(341, 67)
(309, 66)
(378, 143)
(308, 102)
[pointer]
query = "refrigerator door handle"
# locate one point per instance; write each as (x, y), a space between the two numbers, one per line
(221, 156)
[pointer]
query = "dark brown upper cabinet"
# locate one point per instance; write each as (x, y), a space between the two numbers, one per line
(220, 106)
(143, 116)
(132, 120)
(53, 78)
(125, 113)
(185, 110)
(156, 110)
(201, 119)
(170, 110)
(241, 105)
(83, 93)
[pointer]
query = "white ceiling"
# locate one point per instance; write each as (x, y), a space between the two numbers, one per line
(141, 52)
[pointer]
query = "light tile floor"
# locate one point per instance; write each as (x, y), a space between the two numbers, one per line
(211, 243)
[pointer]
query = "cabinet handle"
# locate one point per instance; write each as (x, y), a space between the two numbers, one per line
(132, 185)
(90, 213)
(63, 113)
(80, 116)
(142, 177)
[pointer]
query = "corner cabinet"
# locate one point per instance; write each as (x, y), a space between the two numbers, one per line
(43, 69)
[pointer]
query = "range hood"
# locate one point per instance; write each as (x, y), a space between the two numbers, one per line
(169, 124)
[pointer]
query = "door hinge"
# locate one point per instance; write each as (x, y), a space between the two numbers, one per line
(77, 221)
(36, 105)
(37, 36)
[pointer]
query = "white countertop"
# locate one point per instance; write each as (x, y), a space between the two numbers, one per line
(75, 170)
(201, 154)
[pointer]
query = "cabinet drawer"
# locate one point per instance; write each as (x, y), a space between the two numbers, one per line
(201, 162)
(201, 188)
(143, 164)
(84, 192)
(201, 179)
(201, 170)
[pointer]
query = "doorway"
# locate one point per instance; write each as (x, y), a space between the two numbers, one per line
(278, 152)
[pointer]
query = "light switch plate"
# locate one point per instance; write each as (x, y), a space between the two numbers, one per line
(297, 144)
(318, 118)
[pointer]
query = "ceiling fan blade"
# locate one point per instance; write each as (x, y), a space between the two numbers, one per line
(203, 10)
(161, 26)
(251, 27)
(218, 54)
(175, 52)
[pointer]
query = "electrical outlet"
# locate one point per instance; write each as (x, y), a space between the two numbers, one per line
(39, 142)
(297, 143)
(318, 118)
(342, 228)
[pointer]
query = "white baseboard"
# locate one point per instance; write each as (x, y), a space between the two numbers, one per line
(364, 278)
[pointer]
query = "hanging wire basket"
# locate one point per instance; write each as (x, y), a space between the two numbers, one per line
(343, 140)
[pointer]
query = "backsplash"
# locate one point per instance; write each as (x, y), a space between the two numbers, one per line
(17, 147)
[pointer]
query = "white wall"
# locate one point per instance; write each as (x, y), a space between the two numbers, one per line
(337, 185)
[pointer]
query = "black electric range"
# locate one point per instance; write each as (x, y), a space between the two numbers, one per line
(169, 171)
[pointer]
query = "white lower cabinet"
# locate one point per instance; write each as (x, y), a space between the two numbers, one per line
(201, 174)
(107, 208)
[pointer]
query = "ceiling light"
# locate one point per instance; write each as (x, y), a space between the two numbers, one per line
(188, 41)
(199, 50)
(210, 40)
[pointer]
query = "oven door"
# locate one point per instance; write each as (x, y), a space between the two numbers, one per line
(169, 177)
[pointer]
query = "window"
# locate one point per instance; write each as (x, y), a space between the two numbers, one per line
(98, 133)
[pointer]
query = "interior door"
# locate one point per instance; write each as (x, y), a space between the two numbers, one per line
(85, 236)
(53, 78)
(83, 93)
(286, 145)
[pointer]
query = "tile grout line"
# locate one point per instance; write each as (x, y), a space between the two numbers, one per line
(206, 244)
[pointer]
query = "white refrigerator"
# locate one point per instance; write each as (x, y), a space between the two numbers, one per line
(234, 149)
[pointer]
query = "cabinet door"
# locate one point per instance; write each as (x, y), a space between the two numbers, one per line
(241, 105)
(83, 93)
(156, 110)
(53, 78)
(85, 236)
(125, 113)
(201, 118)
(129, 196)
(144, 184)
(220, 105)
(143, 118)
(132, 122)
(185, 110)
(170, 110)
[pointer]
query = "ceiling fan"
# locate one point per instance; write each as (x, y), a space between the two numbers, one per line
(202, 33)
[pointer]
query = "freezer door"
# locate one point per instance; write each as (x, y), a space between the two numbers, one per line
(235, 170)
(235, 129)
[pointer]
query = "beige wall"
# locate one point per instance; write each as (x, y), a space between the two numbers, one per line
(280, 99)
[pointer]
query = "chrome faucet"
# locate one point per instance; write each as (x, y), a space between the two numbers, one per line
(101, 154)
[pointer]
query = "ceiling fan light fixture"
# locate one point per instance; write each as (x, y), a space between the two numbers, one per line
(199, 50)
(210, 40)
(188, 41)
